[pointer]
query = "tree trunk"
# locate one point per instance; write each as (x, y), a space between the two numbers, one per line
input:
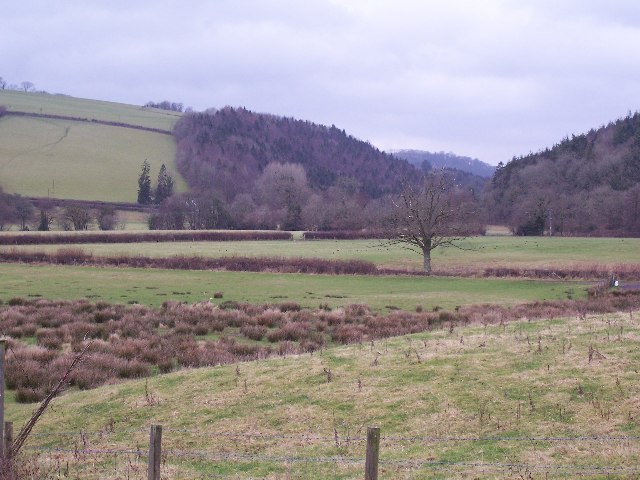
(427, 261)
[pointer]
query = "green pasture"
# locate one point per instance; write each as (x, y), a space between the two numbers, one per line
(382, 293)
(477, 252)
(429, 393)
(90, 109)
(78, 160)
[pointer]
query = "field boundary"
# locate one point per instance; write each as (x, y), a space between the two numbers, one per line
(369, 450)
(64, 238)
(598, 276)
(52, 116)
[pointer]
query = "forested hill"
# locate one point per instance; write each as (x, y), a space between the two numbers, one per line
(436, 160)
(586, 184)
(226, 150)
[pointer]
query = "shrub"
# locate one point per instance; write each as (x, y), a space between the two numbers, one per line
(30, 395)
(292, 331)
(253, 332)
(289, 307)
(133, 369)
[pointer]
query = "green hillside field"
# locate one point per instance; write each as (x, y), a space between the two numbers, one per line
(80, 160)
(90, 109)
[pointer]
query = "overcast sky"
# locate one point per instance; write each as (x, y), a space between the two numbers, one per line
(483, 78)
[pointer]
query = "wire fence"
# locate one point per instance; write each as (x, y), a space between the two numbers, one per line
(182, 448)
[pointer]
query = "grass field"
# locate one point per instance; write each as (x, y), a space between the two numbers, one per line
(427, 391)
(479, 252)
(154, 286)
(79, 160)
(90, 109)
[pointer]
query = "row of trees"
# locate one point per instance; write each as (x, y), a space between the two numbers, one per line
(167, 105)
(25, 86)
(18, 210)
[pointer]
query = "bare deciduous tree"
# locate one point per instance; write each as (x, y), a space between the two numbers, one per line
(27, 86)
(435, 214)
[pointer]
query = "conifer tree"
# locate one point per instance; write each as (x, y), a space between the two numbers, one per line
(165, 185)
(144, 184)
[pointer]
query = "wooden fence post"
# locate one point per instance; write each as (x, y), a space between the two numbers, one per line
(373, 451)
(8, 437)
(155, 452)
(2, 436)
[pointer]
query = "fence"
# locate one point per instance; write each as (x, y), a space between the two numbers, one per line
(158, 457)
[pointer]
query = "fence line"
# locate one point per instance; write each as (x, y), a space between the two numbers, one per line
(370, 462)
(591, 469)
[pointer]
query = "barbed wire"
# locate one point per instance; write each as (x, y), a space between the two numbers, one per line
(264, 458)
(304, 436)
(88, 451)
(73, 433)
(582, 438)
(574, 468)
(274, 436)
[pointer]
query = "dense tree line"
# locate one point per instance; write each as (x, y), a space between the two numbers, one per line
(588, 184)
(16, 210)
(166, 105)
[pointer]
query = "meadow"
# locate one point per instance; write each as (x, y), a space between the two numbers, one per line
(545, 399)
(382, 293)
(78, 160)
(477, 252)
(90, 109)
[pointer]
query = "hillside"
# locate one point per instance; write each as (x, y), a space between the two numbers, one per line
(432, 160)
(64, 147)
(586, 184)
(455, 402)
(228, 149)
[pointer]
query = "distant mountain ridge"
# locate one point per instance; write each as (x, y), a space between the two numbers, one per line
(437, 160)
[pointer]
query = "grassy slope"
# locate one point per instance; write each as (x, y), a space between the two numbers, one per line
(521, 379)
(154, 286)
(479, 252)
(78, 160)
(90, 109)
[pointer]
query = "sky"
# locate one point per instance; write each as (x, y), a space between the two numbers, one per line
(488, 79)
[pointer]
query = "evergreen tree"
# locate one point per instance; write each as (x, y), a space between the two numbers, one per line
(144, 185)
(165, 185)
(45, 221)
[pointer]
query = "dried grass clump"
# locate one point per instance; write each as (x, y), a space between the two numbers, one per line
(254, 332)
